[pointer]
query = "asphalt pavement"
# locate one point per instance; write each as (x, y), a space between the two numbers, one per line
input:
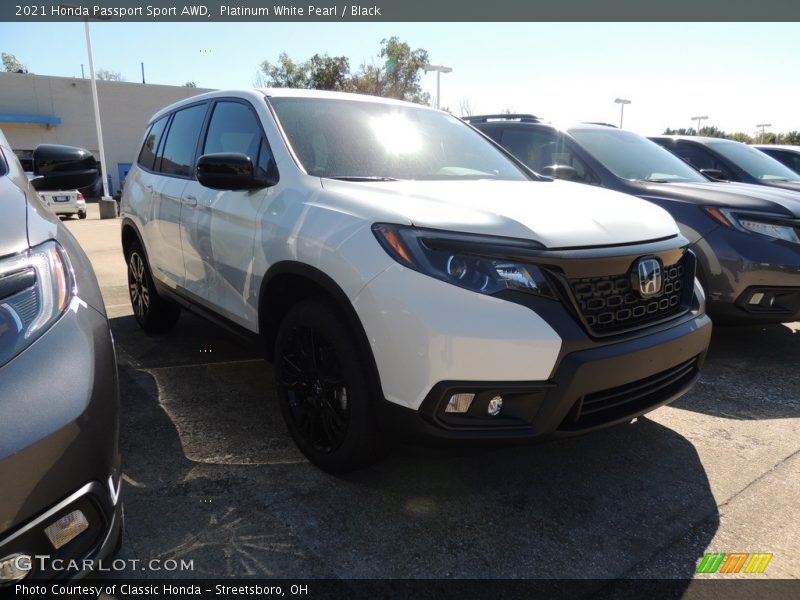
(212, 476)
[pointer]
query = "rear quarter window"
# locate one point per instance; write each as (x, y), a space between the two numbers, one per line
(147, 156)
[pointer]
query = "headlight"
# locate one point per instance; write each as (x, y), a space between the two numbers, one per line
(762, 224)
(474, 262)
(35, 288)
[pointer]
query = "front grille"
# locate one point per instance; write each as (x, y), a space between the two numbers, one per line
(610, 304)
(630, 399)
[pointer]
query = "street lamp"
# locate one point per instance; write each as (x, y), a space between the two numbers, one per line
(699, 120)
(763, 128)
(439, 70)
(622, 102)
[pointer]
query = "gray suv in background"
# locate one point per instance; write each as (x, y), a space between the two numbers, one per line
(746, 237)
(59, 399)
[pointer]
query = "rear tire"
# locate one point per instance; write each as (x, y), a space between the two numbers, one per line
(323, 389)
(82, 215)
(153, 313)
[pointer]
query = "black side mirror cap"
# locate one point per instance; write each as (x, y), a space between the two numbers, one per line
(561, 172)
(231, 171)
(58, 167)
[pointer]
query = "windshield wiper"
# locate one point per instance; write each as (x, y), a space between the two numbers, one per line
(360, 178)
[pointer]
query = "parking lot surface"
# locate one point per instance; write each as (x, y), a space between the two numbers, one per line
(211, 474)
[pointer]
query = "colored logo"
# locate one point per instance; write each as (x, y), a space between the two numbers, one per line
(735, 562)
(647, 277)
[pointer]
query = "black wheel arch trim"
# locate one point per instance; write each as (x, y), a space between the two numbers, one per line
(341, 302)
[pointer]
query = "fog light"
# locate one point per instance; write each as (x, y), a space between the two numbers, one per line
(495, 404)
(459, 403)
(66, 529)
(14, 567)
(756, 298)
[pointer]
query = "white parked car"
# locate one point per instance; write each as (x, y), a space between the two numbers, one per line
(65, 203)
(405, 274)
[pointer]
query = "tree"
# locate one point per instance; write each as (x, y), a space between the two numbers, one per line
(11, 64)
(741, 136)
(792, 138)
(467, 108)
(328, 72)
(190, 84)
(398, 76)
(402, 70)
(711, 131)
(108, 75)
(285, 73)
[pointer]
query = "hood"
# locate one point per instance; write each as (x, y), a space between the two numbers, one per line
(786, 185)
(732, 195)
(13, 222)
(557, 214)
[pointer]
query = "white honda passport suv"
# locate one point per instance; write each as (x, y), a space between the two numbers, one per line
(405, 274)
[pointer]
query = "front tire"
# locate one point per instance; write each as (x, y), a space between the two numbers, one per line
(323, 390)
(153, 313)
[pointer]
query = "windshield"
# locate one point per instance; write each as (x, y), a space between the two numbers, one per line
(754, 162)
(371, 141)
(631, 156)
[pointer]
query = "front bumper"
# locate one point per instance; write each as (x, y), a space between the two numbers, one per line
(736, 265)
(591, 388)
(59, 415)
(594, 384)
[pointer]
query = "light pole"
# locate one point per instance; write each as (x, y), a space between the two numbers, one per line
(763, 129)
(108, 208)
(699, 120)
(622, 102)
(439, 70)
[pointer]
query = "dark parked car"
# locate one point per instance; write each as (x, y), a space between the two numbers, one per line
(727, 160)
(746, 237)
(59, 399)
(787, 155)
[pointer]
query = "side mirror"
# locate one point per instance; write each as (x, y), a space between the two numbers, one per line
(715, 174)
(231, 171)
(561, 172)
(58, 167)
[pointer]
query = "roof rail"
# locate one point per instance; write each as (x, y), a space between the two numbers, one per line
(522, 117)
(599, 123)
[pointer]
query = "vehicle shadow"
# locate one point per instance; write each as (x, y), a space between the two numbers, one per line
(751, 373)
(212, 476)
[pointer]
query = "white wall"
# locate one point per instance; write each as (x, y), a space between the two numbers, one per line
(125, 109)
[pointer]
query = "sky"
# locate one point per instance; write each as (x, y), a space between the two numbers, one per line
(738, 74)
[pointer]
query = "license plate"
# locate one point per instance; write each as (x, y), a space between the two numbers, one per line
(61, 198)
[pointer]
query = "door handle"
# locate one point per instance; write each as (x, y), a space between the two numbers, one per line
(190, 200)
(149, 188)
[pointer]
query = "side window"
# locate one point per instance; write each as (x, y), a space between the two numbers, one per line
(700, 158)
(235, 128)
(790, 159)
(177, 157)
(521, 143)
(147, 156)
(540, 149)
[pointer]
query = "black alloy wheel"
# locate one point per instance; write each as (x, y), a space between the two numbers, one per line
(323, 389)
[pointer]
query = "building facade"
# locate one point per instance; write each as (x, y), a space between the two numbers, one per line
(38, 109)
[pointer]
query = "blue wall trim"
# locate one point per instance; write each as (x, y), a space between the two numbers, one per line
(44, 119)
